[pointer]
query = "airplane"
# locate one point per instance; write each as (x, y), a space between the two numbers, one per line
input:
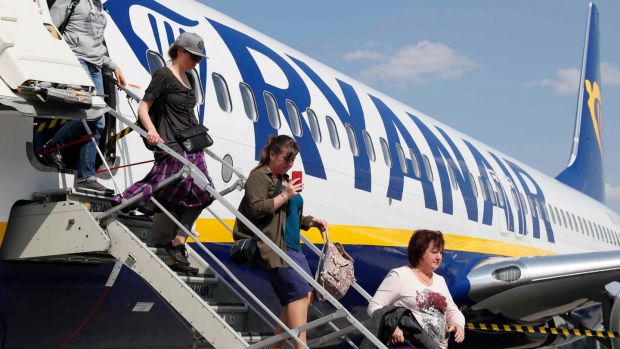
(521, 247)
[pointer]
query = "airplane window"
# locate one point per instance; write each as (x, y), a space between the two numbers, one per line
(370, 149)
(333, 132)
(249, 103)
(500, 195)
(386, 152)
(607, 239)
(570, 222)
(451, 175)
(564, 218)
(587, 228)
(524, 203)
(591, 228)
(427, 168)
(557, 214)
(574, 222)
(543, 211)
(352, 140)
(490, 191)
(155, 61)
(483, 189)
(514, 196)
(272, 110)
(581, 225)
(293, 116)
(314, 125)
(401, 158)
(194, 80)
(415, 163)
(472, 182)
(221, 92)
(551, 214)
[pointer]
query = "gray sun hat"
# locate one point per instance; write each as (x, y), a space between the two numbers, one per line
(192, 43)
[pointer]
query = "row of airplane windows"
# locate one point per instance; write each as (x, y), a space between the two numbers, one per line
(558, 216)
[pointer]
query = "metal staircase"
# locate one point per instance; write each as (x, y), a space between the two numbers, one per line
(82, 226)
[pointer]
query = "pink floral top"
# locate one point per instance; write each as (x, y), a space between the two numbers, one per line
(432, 306)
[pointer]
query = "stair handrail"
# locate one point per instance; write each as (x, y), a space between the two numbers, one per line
(202, 182)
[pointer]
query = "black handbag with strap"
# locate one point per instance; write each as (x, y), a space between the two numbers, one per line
(245, 251)
(194, 139)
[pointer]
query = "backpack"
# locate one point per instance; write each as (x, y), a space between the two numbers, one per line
(335, 271)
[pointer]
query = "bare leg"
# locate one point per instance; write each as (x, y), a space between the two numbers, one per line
(279, 329)
(295, 314)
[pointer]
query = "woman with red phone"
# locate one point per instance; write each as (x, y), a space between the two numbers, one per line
(273, 202)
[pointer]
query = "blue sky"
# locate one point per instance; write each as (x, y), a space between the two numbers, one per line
(506, 73)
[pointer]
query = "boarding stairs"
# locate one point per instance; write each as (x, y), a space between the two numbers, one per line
(73, 225)
(76, 226)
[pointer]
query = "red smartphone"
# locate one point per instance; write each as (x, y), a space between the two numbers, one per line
(296, 175)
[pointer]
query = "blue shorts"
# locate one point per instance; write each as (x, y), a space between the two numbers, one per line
(287, 283)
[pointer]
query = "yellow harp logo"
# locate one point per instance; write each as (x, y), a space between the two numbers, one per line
(594, 104)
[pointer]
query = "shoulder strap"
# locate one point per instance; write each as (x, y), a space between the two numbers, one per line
(71, 8)
(319, 268)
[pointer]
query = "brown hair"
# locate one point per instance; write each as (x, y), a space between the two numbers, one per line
(419, 242)
(277, 145)
(173, 51)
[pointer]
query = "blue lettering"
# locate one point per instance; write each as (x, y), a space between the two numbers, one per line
(240, 45)
(354, 116)
(441, 155)
(483, 165)
(393, 126)
(537, 198)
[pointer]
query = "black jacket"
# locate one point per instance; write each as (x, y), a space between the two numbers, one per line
(385, 320)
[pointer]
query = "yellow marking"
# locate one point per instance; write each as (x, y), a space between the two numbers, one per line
(212, 231)
(599, 334)
(554, 330)
(495, 327)
(610, 334)
(483, 327)
(471, 326)
(542, 330)
(594, 104)
(519, 328)
(565, 331)
(64, 121)
(577, 332)
(530, 329)
(53, 123)
(41, 127)
(588, 333)
(507, 328)
(2, 231)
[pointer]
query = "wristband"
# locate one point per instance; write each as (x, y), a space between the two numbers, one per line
(284, 197)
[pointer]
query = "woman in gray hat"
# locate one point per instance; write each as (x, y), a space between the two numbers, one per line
(167, 109)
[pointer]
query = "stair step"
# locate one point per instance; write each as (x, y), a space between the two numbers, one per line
(227, 307)
(200, 279)
(255, 337)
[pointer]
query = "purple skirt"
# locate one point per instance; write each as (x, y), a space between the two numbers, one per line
(181, 193)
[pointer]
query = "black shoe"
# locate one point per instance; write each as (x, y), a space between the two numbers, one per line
(183, 268)
(177, 253)
(51, 158)
(92, 184)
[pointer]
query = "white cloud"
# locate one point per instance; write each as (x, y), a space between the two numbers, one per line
(566, 81)
(418, 63)
(365, 54)
(612, 197)
(611, 74)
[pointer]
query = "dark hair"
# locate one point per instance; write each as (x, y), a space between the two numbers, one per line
(277, 145)
(173, 51)
(419, 242)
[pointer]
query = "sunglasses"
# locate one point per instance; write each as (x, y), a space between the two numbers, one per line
(194, 57)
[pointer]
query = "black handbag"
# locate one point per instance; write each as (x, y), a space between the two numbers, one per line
(244, 251)
(194, 139)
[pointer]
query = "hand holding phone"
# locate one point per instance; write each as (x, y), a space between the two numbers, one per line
(297, 175)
